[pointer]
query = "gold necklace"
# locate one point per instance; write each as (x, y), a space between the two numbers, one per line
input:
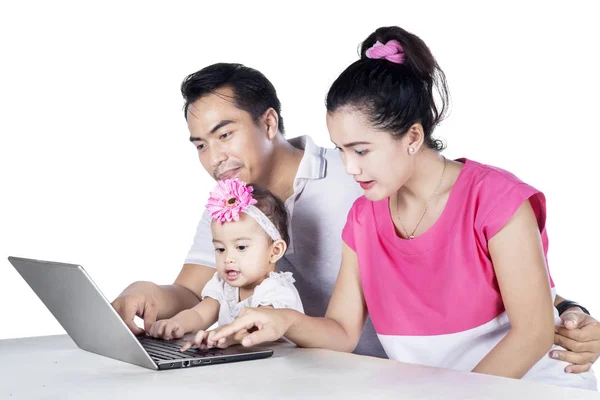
(412, 235)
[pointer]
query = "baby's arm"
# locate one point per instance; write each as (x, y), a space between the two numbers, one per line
(519, 263)
(198, 318)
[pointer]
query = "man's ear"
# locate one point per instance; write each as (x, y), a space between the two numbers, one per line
(278, 249)
(271, 121)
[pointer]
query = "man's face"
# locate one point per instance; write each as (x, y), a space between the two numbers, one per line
(230, 144)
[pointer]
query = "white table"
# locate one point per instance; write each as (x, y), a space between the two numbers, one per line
(52, 367)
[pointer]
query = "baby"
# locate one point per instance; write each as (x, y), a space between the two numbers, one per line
(249, 229)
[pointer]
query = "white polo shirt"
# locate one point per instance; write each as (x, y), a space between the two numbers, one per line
(323, 195)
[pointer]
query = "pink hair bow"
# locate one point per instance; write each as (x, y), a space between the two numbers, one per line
(391, 51)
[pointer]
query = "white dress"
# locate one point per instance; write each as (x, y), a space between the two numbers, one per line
(277, 290)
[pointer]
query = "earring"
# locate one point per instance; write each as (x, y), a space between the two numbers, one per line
(411, 150)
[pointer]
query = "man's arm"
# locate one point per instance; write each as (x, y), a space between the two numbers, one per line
(558, 299)
(150, 301)
(580, 336)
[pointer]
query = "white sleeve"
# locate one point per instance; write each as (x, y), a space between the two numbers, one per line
(202, 251)
(277, 290)
(213, 288)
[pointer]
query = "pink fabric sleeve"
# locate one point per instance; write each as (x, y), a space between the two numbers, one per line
(348, 231)
(352, 223)
(504, 205)
(499, 205)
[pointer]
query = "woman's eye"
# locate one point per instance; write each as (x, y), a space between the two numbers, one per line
(242, 248)
(219, 250)
(361, 152)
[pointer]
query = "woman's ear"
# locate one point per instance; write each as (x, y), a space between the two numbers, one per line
(278, 249)
(415, 136)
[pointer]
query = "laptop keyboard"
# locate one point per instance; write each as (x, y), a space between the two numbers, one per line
(169, 350)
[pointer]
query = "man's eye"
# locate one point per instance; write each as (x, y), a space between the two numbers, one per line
(200, 146)
(225, 135)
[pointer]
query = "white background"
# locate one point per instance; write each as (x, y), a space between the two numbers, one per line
(95, 164)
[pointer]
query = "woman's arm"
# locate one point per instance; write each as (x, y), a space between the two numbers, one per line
(520, 266)
(339, 330)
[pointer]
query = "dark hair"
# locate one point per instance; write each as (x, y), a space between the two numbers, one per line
(252, 90)
(394, 96)
(273, 208)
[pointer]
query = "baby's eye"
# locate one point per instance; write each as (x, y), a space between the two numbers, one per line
(242, 248)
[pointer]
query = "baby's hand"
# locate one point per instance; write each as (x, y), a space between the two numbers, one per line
(167, 329)
(199, 341)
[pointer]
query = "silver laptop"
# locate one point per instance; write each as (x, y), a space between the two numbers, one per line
(94, 325)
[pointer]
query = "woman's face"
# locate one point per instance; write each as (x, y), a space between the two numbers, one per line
(379, 163)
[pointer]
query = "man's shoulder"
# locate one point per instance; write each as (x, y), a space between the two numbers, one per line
(333, 181)
(335, 169)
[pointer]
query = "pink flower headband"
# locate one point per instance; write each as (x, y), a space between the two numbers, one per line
(391, 51)
(231, 197)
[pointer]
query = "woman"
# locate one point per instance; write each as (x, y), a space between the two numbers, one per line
(447, 257)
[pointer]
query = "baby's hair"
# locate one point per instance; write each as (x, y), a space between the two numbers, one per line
(273, 208)
(394, 96)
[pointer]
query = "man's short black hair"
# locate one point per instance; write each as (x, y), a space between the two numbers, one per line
(253, 92)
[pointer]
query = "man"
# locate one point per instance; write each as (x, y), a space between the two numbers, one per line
(234, 117)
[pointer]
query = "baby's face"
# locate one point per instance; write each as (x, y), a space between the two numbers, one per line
(242, 250)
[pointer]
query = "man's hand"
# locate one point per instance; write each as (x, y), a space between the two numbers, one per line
(138, 299)
(580, 336)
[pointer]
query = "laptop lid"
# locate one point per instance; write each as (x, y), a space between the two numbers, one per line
(75, 301)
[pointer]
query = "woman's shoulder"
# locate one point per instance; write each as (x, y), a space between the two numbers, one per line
(489, 174)
(489, 184)
(361, 203)
(496, 194)
(363, 206)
